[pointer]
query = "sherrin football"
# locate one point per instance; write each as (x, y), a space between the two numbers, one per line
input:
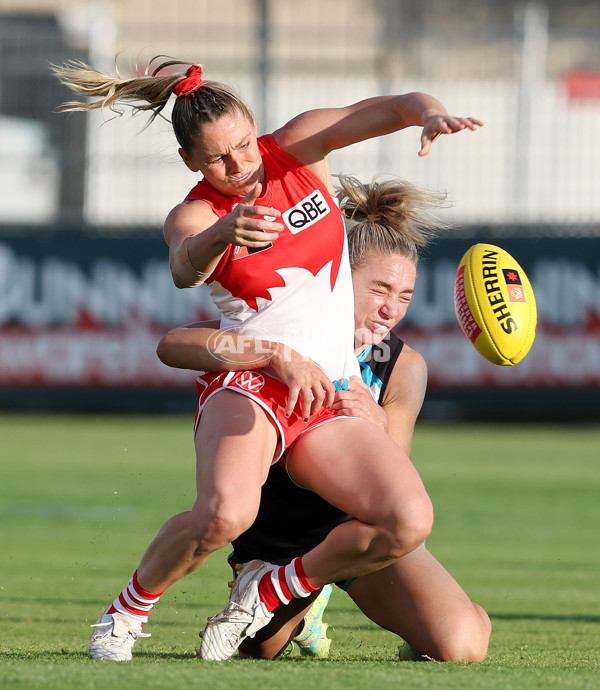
(494, 304)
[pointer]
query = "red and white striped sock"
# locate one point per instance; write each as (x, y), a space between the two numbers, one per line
(282, 584)
(135, 601)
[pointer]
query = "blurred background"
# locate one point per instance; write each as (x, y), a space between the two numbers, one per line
(85, 288)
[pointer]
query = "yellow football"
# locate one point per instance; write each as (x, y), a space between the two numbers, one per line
(495, 305)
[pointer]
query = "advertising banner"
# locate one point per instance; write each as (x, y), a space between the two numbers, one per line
(87, 311)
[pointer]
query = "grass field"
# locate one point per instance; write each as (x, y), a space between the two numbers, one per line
(517, 515)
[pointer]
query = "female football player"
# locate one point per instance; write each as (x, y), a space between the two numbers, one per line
(415, 597)
(262, 229)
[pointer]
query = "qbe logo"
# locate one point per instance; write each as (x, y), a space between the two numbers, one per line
(251, 381)
(307, 212)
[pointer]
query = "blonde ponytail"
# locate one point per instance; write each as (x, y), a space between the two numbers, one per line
(388, 217)
(150, 93)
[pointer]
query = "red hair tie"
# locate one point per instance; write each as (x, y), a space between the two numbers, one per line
(192, 82)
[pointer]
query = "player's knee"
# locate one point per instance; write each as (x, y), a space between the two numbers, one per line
(410, 526)
(220, 527)
(469, 647)
(468, 641)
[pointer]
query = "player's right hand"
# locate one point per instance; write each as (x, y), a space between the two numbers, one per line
(356, 401)
(242, 228)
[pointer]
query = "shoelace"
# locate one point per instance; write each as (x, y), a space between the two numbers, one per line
(229, 613)
(133, 633)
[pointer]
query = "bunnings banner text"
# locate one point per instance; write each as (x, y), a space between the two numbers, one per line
(80, 310)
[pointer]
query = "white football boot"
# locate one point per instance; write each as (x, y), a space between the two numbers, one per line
(114, 637)
(243, 617)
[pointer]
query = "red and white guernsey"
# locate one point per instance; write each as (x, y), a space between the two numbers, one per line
(298, 290)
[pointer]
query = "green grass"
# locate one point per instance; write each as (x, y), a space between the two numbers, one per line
(80, 498)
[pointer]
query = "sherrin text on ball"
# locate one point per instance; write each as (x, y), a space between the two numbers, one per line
(495, 304)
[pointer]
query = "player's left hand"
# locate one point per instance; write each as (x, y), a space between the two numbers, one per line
(357, 401)
(437, 124)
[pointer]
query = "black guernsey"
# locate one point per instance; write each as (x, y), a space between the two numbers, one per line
(292, 520)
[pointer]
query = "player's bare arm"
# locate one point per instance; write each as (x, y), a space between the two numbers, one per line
(192, 219)
(404, 395)
(313, 134)
(203, 347)
(197, 238)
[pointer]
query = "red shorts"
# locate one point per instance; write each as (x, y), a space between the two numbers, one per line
(268, 392)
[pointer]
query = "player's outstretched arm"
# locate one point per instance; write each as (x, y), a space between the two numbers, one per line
(312, 135)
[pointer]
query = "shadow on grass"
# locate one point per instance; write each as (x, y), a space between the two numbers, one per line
(66, 656)
(556, 618)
